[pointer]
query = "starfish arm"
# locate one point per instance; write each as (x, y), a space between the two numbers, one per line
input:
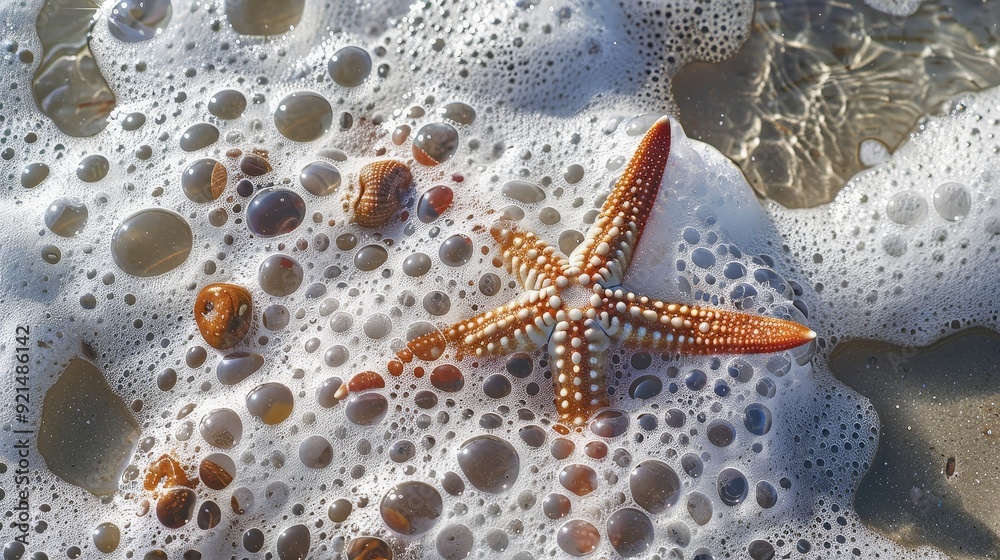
(576, 350)
(521, 325)
(699, 330)
(607, 249)
(534, 263)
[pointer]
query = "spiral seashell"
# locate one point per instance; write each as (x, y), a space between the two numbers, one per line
(381, 187)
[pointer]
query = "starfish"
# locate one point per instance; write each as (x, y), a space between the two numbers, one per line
(576, 305)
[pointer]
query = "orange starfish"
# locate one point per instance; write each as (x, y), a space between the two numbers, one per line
(576, 304)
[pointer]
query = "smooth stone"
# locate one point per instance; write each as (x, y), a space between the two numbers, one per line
(320, 178)
(93, 168)
(66, 217)
(523, 191)
(458, 112)
(303, 116)
(33, 174)
(237, 366)
(227, 104)
(293, 543)
(221, 428)
(435, 143)
(350, 66)
(133, 121)
(274, 212)
(151, 242)
(490, 463)
(198, 136)
(204, 180)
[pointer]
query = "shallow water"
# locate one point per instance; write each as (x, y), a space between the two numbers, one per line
(265, 221)
(934, 478)
(817, 80)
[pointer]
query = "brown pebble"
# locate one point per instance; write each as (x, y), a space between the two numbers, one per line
(254, 165)
(176, 508)
(381, 188)
(224, 313)
(949, 468)
(234, 153)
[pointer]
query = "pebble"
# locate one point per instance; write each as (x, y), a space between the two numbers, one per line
(227, 104)
(279, 275)
(217, 471)
(198, 136)
(133, 121)
(303, 116)
(93, 168)
(456, 250)
(204, 180)
(176, 507)
(33, 174)
(270, 402)
(87, 433)
(578, 537)
(368, 548)
(411, 508)
(458, 112)
(320, 178)
(237, 366)
(434, 202)
(224, 314)
(209, 515)
(254, 164)
(578, 479)
(274, 212)
(350, 66)
(221, 428)
(489, 463)
(654, 486)
(151, 242)
(630, 532)
(106, 537)
(523, 191)
(366, 409)
(435, 143)
(315, 452)
(66, 217)
(293, 543)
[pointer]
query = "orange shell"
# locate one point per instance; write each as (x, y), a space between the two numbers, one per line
(382, 185)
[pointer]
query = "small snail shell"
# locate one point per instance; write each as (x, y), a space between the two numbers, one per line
(224, 313)
(381, 187)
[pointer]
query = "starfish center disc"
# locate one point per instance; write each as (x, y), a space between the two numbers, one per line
(576, 296)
